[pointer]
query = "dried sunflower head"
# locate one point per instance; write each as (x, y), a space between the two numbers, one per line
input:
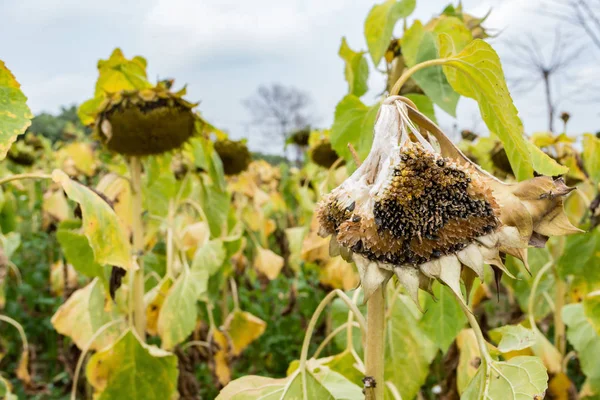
(144, 122)
(419, 208)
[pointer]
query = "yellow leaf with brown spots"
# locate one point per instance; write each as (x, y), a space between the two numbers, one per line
(15, 115)
(221, 366)
(243, 328)
(155, 299)
(101, 225)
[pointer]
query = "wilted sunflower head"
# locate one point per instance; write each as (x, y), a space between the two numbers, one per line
(419, 208)
(144, 122)
(234, 154)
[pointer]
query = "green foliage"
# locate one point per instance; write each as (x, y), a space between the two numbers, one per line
(130, 366)
(58, 127)
(353, 123)
(15, 115)
(518, 378)
(379, 25)
(420, 46)
(356, 69)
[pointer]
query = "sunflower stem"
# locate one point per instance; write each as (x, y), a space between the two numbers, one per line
(409, 72)
(137, 276)
(374, 356)
(486, 359)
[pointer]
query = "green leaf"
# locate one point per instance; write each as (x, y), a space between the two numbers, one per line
(5, 390)
(79, 254)
(424, 104)
(88, 110)
(345, 364)
(432, 79)
(521, 286)
(337, 385)
(15, 115)
(209, 257)
(353, 123)
(84, 314)
(581, 258)
(591, 156)
(520, 378)
(141, 371)
(544, 164)
(290, 388)
(512, 337)
(380, 23)
(356, 69)
(586, 341)
(216, 205)
(118, 73)
(101, 225)
(159, 185)
(476, 72)
(419, 45)
(444, 318)
(409, 351)
(178, 313)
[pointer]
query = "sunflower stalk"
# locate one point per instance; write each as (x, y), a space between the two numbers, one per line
(375, 351)
(137, 276)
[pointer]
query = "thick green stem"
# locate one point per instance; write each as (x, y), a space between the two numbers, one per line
(374, 352)
(137, 277)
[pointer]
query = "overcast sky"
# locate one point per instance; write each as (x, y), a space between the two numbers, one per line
(224, 49)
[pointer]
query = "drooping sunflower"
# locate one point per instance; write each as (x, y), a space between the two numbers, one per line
(419, 208)
(146, 121)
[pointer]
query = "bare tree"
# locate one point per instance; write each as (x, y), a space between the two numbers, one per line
(536, 63)
(581, 14)
(279, 110)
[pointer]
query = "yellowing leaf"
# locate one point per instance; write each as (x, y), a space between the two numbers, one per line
(591, 156)
(380, 23)
(82, 156)
(469, 359)
(57, 277)
(543, 164)
(118, 190)
(268, 263)
(15, 116)
(561, 387)
(129, 366)
(154, 300)
(221, 358)
(118, 73)
(338, 274)
(55, 205)
(476, 72)
(295, 237)
(194, 236)
(243, 328)
(100, 224)
(23, 368)
(86, 312)
(356, 69)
